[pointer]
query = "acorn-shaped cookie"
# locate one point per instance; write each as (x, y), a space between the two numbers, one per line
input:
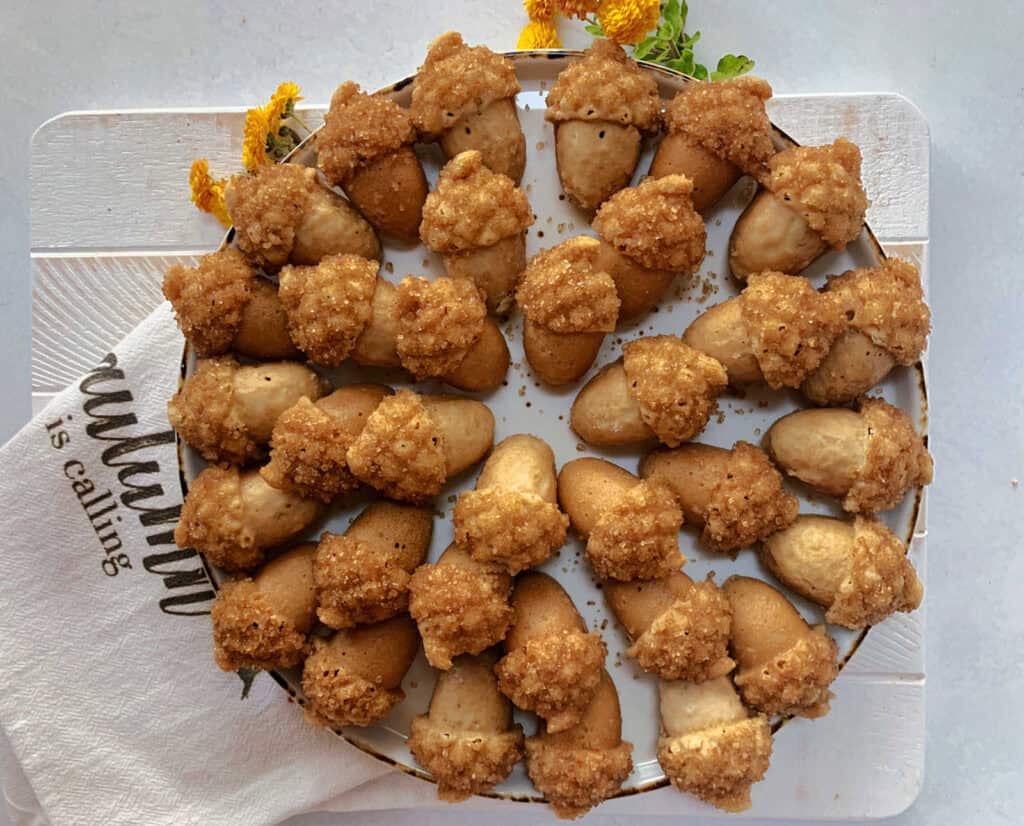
(280, 214)
(887, 323)
(858, 570)
(631, 526)
(512, 517)
(362, 576)
(679, 628)
(227, 411)
(460, 605)
(777, 331)
(354, 677)
(660, 389)
(649, 234)
(477, 219)
(340, 309)
(578, 767)
(221, 304)
(262, 621)
(717, 132)
(309, 444)
(812, 200)
(869, 457)
(736, 495)
(464, 96)
(552, 666)
(601, 105)
(467, 739)
(568, 305)
(232, 516)
(365, 147)
(709, 746)
(784, 665)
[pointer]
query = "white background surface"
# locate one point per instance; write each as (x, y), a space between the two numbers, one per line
(956, 61)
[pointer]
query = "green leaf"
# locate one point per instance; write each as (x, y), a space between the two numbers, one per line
(682, 64)
(700, 71)
(732, 66)
(683, 12)
(247, 675)
(594, 29)
(674, 12)
(642, 49)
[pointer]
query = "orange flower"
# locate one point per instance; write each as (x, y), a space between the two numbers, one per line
(577, 8)
(628, 21)
(539, 9)
(207, 193)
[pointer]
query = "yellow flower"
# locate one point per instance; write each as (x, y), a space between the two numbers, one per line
(539, 9)
(539, 34)
(254, 141)
(207, 193)
(282, 104)
(261, 143)
(577, 8)
(628, 21)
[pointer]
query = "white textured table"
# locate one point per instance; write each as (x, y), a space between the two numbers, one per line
(957, 68)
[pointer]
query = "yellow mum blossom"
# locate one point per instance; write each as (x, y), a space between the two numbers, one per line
(539, 9)
(539, 34)
(254, 141)
(264, 140)
(207, 193)
(282, 104)
(628, 21)
(577, 8)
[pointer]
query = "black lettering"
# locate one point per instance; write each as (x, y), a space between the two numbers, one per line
(74, 463)
(82, 487)
(170, 605)
(113, 539)
(59, 439)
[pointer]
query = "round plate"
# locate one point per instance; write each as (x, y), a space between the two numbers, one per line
(523, 405)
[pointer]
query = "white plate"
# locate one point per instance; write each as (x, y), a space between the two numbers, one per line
(523, 405)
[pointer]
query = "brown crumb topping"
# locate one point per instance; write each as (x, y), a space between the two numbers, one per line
(439, 321)
(555, 676)
(748, 503)
(689, 641)
(266, 206)
(359, 128)
(455, 80)
(574, 780)
(209, 299)
(719, 764)
(675, 386)
(637, 537)
(467, 762)
(459, 611)
(728, 119)
(605, 84)
(472, 207)
(337, 697)
(308, 454)
(328, 305)
(356, 583)
(562, 291)
(886, 303)
(247, 633)
(515, 529)
(881, 581)
(896, 460)
(791, 326)
(655, 224)
(212, 521)
(400, 451)
(823, 184)
(204, 416)
(795, 681)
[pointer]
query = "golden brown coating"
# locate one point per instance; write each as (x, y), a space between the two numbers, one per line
(562, 291)
(728, 119)
(472, 207)
(675, 386)
(439, 322)
(637, 535)
(203, 414)
(356, 583)
(359, 129)
(266, 208)
(823, 185)
(249, 633)
(790, 325)
(794, 681)
(655, 224)
(210, 298)
(886, 303)
(328, 305)
(400, 451)
(213, 520)
(456, 80)
(718, 764)
(460, 605)
(605, 84)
